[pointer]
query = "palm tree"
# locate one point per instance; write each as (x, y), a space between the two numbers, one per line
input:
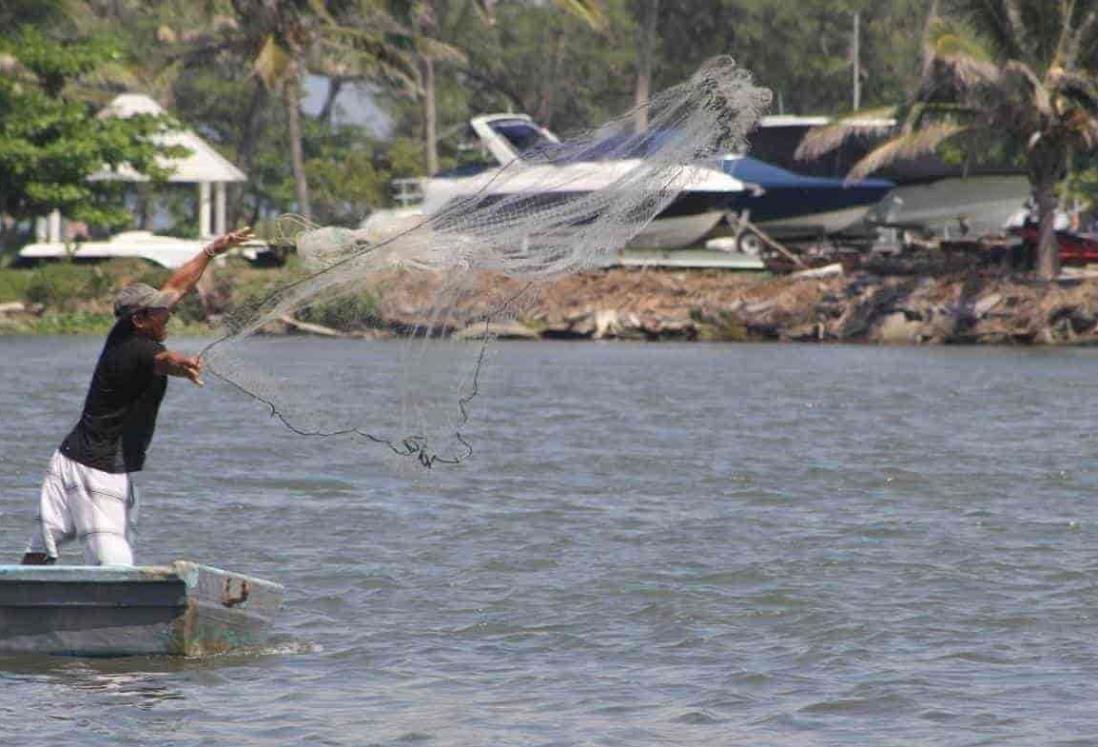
(362, 41)
(425, 37)
(1023, 73)
(281, 32)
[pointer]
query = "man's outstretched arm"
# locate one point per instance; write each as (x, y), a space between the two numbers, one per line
(186, 277)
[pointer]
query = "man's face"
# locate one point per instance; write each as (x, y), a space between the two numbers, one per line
(152, 323)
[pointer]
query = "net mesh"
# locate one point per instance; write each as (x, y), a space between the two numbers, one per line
(446, 278)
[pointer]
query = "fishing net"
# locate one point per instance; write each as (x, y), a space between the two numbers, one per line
(447, 277)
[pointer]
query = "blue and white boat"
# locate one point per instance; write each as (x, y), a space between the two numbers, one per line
(790, 206)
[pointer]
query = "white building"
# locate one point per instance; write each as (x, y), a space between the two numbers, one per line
(204, 167)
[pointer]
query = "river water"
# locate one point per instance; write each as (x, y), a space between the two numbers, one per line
(654, 545)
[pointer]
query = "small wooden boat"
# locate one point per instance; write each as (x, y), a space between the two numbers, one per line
(184, 609)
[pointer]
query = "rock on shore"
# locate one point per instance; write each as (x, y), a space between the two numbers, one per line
(713, 305)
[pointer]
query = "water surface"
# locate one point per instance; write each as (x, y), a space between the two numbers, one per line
(654, 545)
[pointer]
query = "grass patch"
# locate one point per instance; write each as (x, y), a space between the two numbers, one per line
(78, 298)
(13, 284)
(73, 323)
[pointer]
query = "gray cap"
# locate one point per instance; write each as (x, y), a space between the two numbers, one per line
(140, 296)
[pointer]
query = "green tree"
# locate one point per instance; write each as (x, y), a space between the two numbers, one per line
(1017, 73)
(51, 141)
(801, 49)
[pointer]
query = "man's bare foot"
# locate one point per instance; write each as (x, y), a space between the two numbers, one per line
(38, 558)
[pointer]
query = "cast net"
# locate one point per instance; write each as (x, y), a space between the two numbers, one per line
(447, 277)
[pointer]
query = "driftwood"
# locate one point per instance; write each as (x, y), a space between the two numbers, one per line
(312, 329)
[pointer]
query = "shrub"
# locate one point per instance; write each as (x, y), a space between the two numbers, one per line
(352, 312)
(63, 286)
(13, 284)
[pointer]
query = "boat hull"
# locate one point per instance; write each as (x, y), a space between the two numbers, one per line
(676, 231)
(790, 205)
(689, 218)
(183, 609)
(983, 202)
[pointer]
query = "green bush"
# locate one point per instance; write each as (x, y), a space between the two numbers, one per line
(62, 285)
(352, 312)
(75, 323)
(13, 284)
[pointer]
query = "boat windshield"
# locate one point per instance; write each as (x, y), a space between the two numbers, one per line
(522, 135)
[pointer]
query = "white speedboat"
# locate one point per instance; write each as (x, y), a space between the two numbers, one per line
(507, 170)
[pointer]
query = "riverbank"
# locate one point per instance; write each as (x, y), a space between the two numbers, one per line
(618, 303)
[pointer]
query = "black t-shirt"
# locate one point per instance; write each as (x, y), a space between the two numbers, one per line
(120, 411)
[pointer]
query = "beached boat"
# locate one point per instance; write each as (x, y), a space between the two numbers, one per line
(931, 194)
(791, 206)
(512, 167)
(182, 609)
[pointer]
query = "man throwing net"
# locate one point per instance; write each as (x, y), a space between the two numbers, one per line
(88, 492)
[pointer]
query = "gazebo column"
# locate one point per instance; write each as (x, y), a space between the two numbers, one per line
(55, 227)
(204, 209)
(41, 231)
(219, 208)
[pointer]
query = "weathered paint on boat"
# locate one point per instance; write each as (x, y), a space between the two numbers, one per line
(183, 608)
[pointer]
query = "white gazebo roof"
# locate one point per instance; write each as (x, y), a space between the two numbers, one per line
(203, 164)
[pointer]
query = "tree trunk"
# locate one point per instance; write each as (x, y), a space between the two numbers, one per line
(335, 85)
(141, 207)
(1048, 249)
(430, 115)
(544, 115)
(245, 152)
(292, 95)
(646, 43)
(1046, 163)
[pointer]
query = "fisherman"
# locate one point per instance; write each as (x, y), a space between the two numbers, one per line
(88, 492)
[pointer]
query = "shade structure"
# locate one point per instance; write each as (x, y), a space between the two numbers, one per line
(202, 165)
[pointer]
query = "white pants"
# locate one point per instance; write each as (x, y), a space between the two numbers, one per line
(80, 502)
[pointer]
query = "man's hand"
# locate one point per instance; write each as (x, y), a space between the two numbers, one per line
(227, 241)
(177, 364)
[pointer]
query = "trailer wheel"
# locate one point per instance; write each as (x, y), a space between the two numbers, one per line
(751, 244)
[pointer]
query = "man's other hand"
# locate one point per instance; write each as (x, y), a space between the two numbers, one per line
(183, 366)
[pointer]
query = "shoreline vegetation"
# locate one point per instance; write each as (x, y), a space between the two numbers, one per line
(971, 306)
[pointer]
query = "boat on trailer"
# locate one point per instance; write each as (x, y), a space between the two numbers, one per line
(516, 161)
(184, 609)
(931, 195)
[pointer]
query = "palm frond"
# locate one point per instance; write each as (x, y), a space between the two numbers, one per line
(1019, 78)
(822, 140)
(320, 8)
(367, 59)
(486, 9)
(588, 11)
(950, 37)
(439, 51)
(370, 22)
(905, 146)
(272, 62)
(956, 58)
(1081, 89)
(1019, 30)
(1082, 128)
(937, 111)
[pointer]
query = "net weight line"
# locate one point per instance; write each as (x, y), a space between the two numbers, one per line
(413, 446)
